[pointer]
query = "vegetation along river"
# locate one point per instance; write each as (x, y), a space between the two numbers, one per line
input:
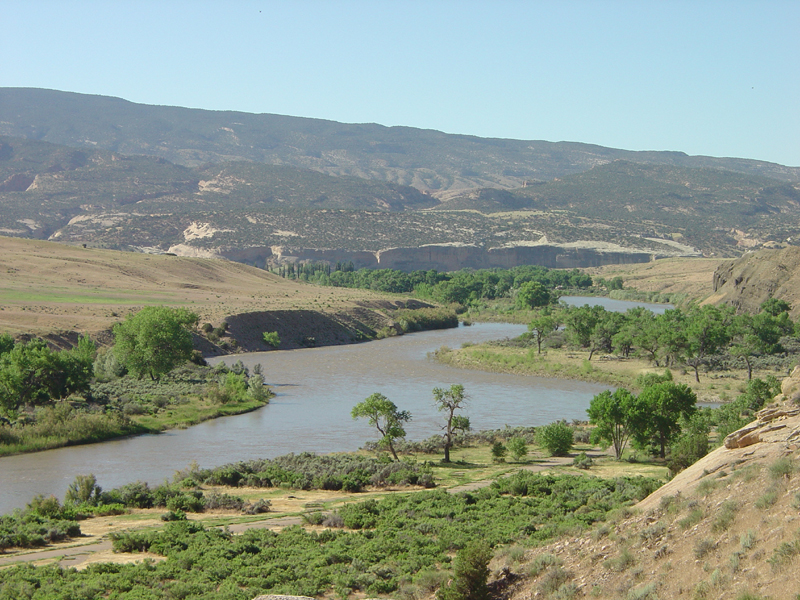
(316, 389)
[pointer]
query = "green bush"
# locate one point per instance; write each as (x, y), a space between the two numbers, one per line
(271, 339)
(517, 447)
(556, 438)
(470, 573)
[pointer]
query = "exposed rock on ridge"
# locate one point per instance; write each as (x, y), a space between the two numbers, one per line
(747, 282)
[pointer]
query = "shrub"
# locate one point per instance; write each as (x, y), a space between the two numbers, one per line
(781, 468)
(177, 515)
(499, 451)
(517, 447)
(258, 507)
(556, 438)
(83, 489)
(582, 461)
(470, 572)
(271, 339)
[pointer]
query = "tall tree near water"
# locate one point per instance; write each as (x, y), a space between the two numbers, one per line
(708, 330)
(384, 415)
(617, 415)
(154, 340)
(448, 402)
(542, 325)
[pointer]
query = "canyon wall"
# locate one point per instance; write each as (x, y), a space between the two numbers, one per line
(443, 257)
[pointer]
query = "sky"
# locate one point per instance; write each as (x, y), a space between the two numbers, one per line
(718, 78)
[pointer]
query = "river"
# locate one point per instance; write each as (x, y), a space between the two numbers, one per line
(316, 389)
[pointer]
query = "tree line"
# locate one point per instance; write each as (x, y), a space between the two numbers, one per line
(464, 287)
(690, 336)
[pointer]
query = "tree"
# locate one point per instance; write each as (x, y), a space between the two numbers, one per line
(664, 405)
(542, 325)
(385, 417)
(449, 401)
(754, 335)
(775, 306)
(470, 574)
(154, 340)
(581, 321)
(556, 437)
(707, 331)
(616, 416)
(518, 447)
(533, 294)
(604, 331)
(32, 373)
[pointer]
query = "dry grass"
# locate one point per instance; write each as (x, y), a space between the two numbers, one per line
(49, 287)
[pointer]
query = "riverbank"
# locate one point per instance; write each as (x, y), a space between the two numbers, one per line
(606, 369)
(126, 406)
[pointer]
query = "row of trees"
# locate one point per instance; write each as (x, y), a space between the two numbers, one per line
(384, 415)
(654, 416)
(688, 336)
(464, 287)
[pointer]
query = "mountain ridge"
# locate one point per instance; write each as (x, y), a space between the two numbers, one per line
(427, 159)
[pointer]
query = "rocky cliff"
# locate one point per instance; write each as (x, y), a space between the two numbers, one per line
(757, 276)
(444, 257)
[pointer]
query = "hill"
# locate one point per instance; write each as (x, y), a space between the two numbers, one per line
(58, 291)
(267, 189)
(44, 186)
(758, 276)
(726, 527)
(426, 159)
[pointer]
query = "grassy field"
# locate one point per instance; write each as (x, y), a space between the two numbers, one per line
(48, 287)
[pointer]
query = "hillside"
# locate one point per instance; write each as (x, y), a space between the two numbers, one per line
(426, 159)
(725, 527)
(757, 276)
(44, 187)
(244, 211)
(268, 189)
(54, 290)
(702, 205)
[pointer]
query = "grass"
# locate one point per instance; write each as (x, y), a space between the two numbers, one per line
(183, 415)
(725, 516)
(569, 363)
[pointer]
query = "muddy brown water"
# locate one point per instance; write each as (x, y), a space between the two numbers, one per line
(316, 390)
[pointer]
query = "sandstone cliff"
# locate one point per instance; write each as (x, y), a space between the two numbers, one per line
(755, 277)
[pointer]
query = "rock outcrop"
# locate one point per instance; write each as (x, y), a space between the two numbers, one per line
(755, 277)
(442, 257)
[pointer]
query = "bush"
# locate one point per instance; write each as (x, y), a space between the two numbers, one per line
(271, 339)
(582, 461)
(470, 572)
(499, 451)
(517, 447)
(556, 438)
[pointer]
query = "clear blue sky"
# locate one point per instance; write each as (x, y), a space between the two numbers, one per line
(716, 78)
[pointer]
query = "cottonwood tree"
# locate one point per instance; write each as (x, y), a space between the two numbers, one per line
(533, 294)
(664, 405)
(384, 415)
(448, 402)
(616, 416)
(154, 340)
(708, 330)
(753, 335)
(542, 325)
